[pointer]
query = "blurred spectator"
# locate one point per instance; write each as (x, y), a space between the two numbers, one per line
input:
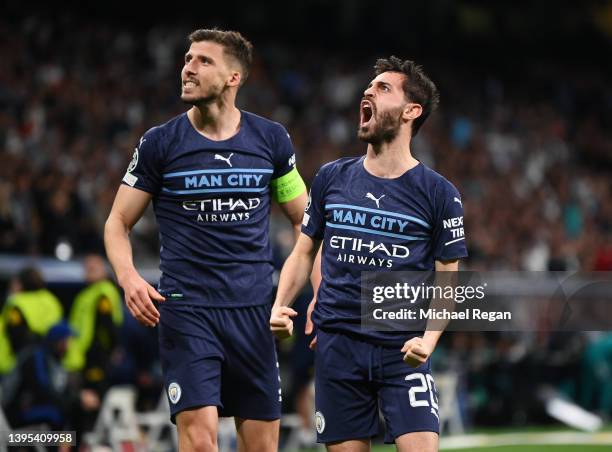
(27, 315)
(524, 166)
(97, 317)
(12, 237)
(36, 391)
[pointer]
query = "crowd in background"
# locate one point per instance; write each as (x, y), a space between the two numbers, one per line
(529, 149)
(532, 161)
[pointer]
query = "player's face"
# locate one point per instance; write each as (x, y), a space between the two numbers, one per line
(205, 73)
(382, 108)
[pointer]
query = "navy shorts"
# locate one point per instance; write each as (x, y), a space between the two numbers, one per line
(222, 357)
(353, 379)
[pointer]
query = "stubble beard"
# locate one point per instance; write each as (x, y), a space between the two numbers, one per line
(211, 96)
(385, 129)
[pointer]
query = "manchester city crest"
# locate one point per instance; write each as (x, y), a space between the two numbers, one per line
(319, 422)
(174, 392)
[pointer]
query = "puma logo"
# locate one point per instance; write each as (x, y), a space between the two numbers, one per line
(225, 159)
(373, 198)
(457, 200)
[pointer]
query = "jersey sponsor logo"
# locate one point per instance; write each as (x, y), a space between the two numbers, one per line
(457, 200)
(174, 392)
(320, 422)
(374, 198)
(222, 210)
(455, 227)
(291, 161)
(222, 205)
(225, 159)
(372, 249)
(370, 246)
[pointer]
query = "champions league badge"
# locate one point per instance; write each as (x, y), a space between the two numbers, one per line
(134, 161)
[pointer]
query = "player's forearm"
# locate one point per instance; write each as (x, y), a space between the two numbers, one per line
(293, 278)
(446, 276)
(315, 275)
(118, 247)
(432, 337)
(435, 327)
(297, 230)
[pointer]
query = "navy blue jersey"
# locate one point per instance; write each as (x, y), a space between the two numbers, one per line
(368, 223)
(212, 203)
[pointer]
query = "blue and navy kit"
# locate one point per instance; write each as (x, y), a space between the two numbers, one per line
(367, 223)
(212, 203)
(220, 357)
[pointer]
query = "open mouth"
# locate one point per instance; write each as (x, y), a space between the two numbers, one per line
(189, 84)
(366, 113)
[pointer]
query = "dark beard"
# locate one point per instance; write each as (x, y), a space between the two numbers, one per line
(214, 92)
(385, 130)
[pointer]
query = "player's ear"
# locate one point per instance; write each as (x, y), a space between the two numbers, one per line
(412, 111)
(235, 79)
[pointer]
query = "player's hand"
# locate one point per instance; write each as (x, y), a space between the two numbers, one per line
(416, 351)
(281, 324)
(313, 343)
(309, 325)
(138, 298)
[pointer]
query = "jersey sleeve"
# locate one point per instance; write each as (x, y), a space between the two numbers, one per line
(449, 233)
(145, 170)
(313, 224)
(286, 183)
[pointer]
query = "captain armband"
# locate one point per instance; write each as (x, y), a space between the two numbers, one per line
(287, 187)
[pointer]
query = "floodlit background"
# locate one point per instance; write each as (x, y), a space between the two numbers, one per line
(524, 131)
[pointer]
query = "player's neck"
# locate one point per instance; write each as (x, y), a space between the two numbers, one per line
(389, 160)
(216, 121)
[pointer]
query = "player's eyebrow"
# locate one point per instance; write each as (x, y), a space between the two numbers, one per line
(379, 83)
(206, 58)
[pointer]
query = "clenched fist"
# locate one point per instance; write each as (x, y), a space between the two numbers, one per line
(281, 324)
(416, 351)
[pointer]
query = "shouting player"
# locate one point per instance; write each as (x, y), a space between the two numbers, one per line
(384, 211)
(211, 173)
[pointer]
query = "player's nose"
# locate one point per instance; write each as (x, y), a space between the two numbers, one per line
(189, 69)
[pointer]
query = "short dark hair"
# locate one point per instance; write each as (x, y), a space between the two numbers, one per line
(417, 86)
(30, 279)
(234, 44)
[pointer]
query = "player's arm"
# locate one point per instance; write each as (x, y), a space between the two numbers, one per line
(417, 350)
(129, 205)
(293, 277)
(315, 280)
(294, 210)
